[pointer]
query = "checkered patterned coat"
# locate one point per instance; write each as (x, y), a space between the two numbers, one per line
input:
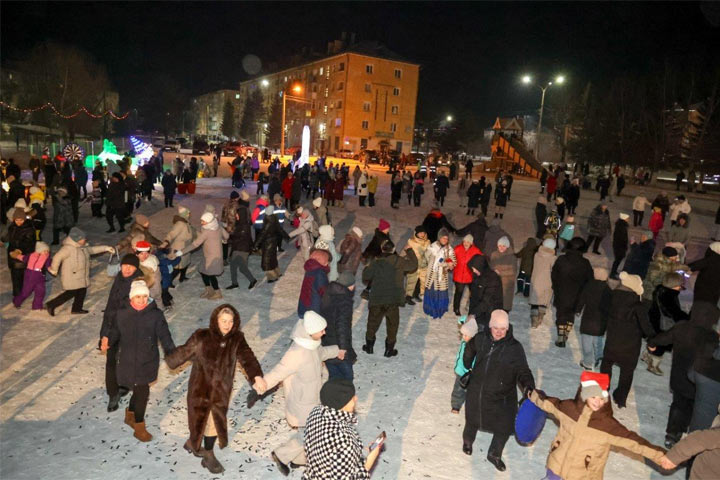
(332, 446)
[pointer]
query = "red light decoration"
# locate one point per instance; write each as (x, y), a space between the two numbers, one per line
(59, 114)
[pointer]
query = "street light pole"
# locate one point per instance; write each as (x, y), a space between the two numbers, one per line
(282, 129)
(539, 128)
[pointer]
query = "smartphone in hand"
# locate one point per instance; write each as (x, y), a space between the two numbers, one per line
(378, 441)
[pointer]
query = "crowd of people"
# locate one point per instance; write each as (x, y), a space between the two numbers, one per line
(563, 276)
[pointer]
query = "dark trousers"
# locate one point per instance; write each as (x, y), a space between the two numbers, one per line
(371, 199)
(96, 209)
(168, 200)
(457, 397)
(238, 261)
(457, 297)
(441, 200)
(56, 234)
(138, 401)
(342, 369)
(627, 370)
(484, 207)
(78, 296)
(111, 213)
(594, 238)
(16, 276)
(571, 208)
(416, 200)
(616, 265)
(564, 316)
(361, 200)
(210, 281)
(523, 283)
(497, 444)
(680, 414)
(111, 384)
(375, 318)
(638, 217)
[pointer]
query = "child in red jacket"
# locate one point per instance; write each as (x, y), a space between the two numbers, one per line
(656, 222)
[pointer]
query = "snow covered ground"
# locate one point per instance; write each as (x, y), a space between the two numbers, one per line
(53, 415)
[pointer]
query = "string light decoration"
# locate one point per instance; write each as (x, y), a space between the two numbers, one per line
(66, 117)
(143, 151)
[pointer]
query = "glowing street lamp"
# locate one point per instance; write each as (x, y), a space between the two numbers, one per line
(265, 83)
(449, 118)
(527, 79)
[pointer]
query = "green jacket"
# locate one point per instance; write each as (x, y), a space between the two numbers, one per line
(658, 268)
(386, 274)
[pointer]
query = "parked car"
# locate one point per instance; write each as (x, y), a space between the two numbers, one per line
(293, 150)
(345, 153)
(232, 148)
(413, 158)
(200, 147)
(171, 145)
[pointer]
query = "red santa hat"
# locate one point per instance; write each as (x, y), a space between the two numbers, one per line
(384, 225)
(142, 246)
(594, 385)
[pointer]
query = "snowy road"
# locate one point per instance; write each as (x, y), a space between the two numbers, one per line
(53, 403)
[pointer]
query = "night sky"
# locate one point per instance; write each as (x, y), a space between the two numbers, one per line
(472, 54)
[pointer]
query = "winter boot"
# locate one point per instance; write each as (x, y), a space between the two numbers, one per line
(188, 446)
(535, 319)
(645, 357)
(284, 469)
(210, 462)
(206, 294)
(215, 295)
(183, 274)
(671, 439)
(561, 336)
(113, 403)
(368, 347)
(140, 432)
(390, 350)
(129, 418)
(409, 300)
(654, 365)
(365, 294)
(496, 460)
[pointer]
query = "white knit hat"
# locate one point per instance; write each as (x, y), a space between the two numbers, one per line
(327, 233)
(139, 287)
(313, 322)
(42, 247)
(624, 216)
(207, 217)
(504, 241)
(468, 238)
(317, 202)
(633, 282)
(499, 319)
(470, 327)
(358, 232)
(715, 247)
(549, 243)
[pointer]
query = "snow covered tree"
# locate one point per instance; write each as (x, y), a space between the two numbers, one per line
(274, 129)
(252, 115)
(228, 126)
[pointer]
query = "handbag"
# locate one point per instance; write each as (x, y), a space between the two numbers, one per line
(465, 380)
(113, 266)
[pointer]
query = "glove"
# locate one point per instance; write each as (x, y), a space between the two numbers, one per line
(110, 249)
(178, 253)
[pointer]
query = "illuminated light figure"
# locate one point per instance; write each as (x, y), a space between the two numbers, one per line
(305, 150)
(109, 152)
(143, 151)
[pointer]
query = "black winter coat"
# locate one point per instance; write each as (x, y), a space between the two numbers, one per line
(16, 192)
(273, 187)
(707, 283)
(594, 302)
(572, 197)
(137, 333)
(501, 195)
(241, 238)
(569, 276)
(477, 229)
(386, 274)
(373, 249)
(665, 302)
(434, 221)
(115, 198)
(267, 241)
(500, 367)
(540, 214)
(117, 299)
(639, 258)
(20, 238)
(486, 291)
(620, 238)
(628, 323)
(474, 193)
(687, 338)
(441, 185)
(486, 194)
(169, 184)
(337, 309)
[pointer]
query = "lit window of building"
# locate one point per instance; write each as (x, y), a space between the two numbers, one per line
(365, 124)
(237, 96)
(393, 127)
(338, 122)
(325, 109)
(395, 110)
(321, 70)
(327, 92)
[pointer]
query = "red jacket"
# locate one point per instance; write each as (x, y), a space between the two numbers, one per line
(551, 184)
(461, 273)
(286, 187)
(656, 222)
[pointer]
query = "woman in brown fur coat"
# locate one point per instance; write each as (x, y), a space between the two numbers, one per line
(214, 352)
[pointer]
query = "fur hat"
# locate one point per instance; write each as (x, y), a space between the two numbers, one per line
(633, 282)
(499, 319)
(19, 214)
(669, 252)
(549, 243)
(276, 197)
(624, 216)
(383, 225)
(317, 202)
(503, 241)
(139, 287)
(234, 194)
(673, 279)
(130, 259)
(594, 384)
(313, 322)
(208, 217)
(443, 232)
(420, 229)
(337, 393)
(327, 233)
(141, 219)
(346, 279)
(646, 233)
(42, 247)
(358, 232)
(142, 246)
(76, 234)
(601, 273)
(469, 327)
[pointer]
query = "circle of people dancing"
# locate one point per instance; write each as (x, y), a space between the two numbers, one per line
(551, 270)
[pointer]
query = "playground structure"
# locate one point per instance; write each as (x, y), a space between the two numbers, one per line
(509, 152)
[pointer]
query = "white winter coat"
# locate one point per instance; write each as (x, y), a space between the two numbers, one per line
(438, 267)
(678, 208)
(362, 186)
(305, 232)
(640, 202)
(540, 283)
(300, 371)
(73, 260)
(327, 235)
(211, 238)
